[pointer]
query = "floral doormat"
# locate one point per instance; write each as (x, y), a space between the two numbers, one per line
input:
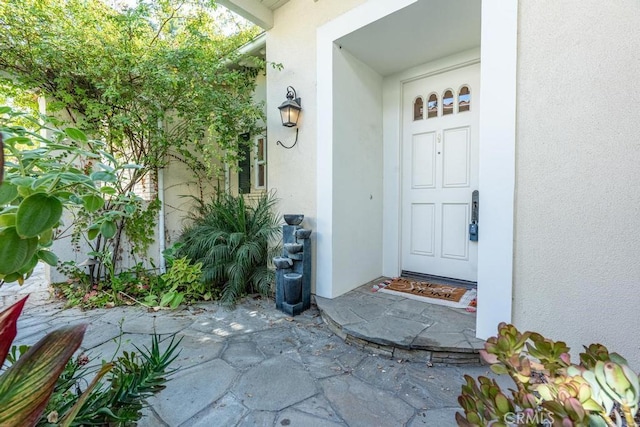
(434, 293)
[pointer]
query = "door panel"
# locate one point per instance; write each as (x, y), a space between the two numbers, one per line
(423, 229)
(439, 173)
(455, 157)
(455, 241)
(423, 163)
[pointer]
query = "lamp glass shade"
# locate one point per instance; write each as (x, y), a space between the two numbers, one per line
(290, 112)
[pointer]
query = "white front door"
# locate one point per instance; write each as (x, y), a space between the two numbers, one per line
(440, 172)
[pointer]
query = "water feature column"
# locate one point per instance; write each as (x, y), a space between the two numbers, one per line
(293, 268)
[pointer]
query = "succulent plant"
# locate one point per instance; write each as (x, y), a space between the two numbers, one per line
(601, 391)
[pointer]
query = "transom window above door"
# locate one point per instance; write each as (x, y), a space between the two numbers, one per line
(452, 103)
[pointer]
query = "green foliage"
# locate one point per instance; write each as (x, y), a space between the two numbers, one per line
(118, 400)
(25, 386)
(42, 386)
(183, 280)
(233, 240)
(137, 227)
(600, 391)
(181, 283)
(169, 254)
(124, 288)
(43, 177)
(149, 80)
(153, 81)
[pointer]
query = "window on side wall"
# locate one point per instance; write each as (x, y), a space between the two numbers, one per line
(244, 166)
(260, 163)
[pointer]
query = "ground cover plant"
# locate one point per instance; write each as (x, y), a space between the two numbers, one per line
(600, 391)
(234, 241)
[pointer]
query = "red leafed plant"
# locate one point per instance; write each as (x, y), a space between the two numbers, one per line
(26, 386)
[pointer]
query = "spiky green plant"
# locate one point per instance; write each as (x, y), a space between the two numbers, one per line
(233, 239)
(134, 377)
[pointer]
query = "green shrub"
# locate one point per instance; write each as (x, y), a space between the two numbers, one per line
(181, 282)
(44, 177)
(233, 240)
(600, 391)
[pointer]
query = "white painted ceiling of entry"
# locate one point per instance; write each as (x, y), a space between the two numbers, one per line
(273, 4)
(419, 33)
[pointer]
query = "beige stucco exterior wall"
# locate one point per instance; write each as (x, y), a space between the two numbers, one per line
(180, 187)
(577, 275)
(292, 42)
(357, 162)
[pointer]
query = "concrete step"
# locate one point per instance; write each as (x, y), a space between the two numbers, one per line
(403, 328)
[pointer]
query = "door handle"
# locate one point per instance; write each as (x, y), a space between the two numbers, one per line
(475, 210)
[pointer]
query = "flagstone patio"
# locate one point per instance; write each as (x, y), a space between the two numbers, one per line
(255, 366)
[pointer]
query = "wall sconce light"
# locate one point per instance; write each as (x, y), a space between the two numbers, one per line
(290, 113)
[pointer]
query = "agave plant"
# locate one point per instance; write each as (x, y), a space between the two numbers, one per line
(233, 239)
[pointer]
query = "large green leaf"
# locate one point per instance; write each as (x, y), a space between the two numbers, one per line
(26, 386)
(17, 140)
(22, 181)
(46, 238)
(108, 190)
(103, 176)
(108, 229)
(8, 193)
(15, 251)
(7, 220)
(48, 257)
(92, 202)
(93, 231)
(38, 213)
(8, 329)
(76, 134)
(28, 266)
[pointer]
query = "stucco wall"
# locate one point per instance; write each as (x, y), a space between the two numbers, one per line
(576, 271)
(292, 42)
(357, 162)
(180, 186)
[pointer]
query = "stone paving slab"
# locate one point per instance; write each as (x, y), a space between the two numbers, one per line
(255, 366)
(399, 332)
(360, 404)
(191, 391)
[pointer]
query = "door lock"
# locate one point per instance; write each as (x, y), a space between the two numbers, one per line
(473, 227)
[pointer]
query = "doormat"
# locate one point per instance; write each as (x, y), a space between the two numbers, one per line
(433, 293)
